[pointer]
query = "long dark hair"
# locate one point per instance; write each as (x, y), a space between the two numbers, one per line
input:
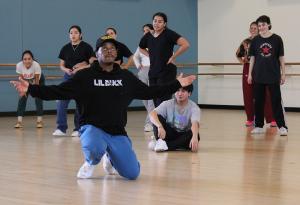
(28, 52)
(161, 14)
(77, 28)
(148, 25)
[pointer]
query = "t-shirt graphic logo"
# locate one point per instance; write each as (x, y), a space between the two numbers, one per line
(266, 50)
(107, 83)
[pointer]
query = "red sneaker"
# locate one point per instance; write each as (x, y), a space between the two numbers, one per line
(249, 123)
(273, 124)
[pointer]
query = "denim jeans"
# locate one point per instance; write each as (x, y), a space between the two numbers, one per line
(61, 117)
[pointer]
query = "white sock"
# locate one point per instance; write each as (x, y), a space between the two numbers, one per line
(39, 119)
(20, 118)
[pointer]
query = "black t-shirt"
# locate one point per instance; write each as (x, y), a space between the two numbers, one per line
(266, 52)
(160, 49)
(123, 50)
(73, 54)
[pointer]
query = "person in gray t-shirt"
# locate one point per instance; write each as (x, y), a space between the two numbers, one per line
(176, 123)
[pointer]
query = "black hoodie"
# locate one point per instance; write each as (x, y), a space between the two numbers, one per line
(103, 97)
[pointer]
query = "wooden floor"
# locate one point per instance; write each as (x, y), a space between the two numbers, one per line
(231, 167)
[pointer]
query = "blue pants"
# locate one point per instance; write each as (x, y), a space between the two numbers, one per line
(61, 117)
(95, 143)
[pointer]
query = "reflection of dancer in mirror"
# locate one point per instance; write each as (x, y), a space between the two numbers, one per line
(104, 92)
(30, 70)
(74, 56)
(142, 63)
(159, 47)
(243, 57)
(267, 68)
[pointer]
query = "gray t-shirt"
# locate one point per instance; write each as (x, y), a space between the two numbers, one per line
(180, 118)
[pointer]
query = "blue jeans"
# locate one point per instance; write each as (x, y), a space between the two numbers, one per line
(95, 143)
(61, 117)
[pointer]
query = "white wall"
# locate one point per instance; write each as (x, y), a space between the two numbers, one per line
(222, 25)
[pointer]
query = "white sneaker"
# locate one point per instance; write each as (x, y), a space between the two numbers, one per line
(85, 171)
(160, 146)
(148, 128)
(58, 132)
(283, 131)
(152, 143)
(75, 134)
(107, 166)
(257, 130)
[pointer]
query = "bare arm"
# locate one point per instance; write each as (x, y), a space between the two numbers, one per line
(282, 66)
(80, 66)
(63, 67)
(194, 141)
(144, 51)
(129, 63)
(154, 119)
(183, 46)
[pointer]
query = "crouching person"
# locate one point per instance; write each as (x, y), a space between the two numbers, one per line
(176, 123)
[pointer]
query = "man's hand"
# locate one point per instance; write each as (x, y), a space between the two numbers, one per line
(21, 86)
(194, 144)
(185, 81)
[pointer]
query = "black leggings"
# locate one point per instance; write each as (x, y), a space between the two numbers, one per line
(174, 139)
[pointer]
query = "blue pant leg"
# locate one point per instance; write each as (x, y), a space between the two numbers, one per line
(61, 116)
(21, 106)
(61, 107)
(123, 157)
(93, 143)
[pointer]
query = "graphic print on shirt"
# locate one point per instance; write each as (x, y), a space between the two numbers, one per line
(180, 121)
(107, 83)
(266, 50)
(28, 75)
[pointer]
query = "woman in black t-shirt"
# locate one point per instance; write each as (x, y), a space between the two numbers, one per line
(159, 46)
(267, 68)
(243, 57)
(74, 56)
